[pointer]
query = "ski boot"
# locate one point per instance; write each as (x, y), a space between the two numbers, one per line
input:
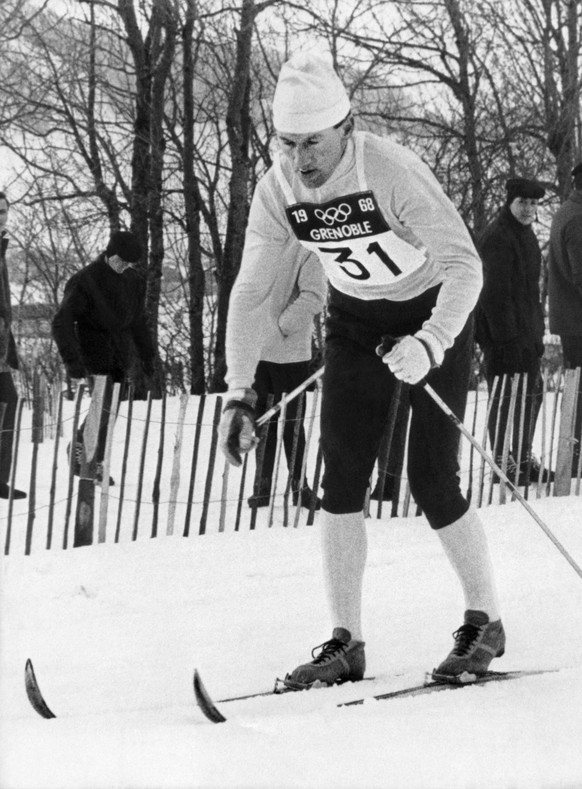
(341, 659)
(477, 642)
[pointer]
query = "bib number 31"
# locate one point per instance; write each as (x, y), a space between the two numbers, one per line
(355, 268)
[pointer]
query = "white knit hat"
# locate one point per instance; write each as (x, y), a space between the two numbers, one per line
(309, 96)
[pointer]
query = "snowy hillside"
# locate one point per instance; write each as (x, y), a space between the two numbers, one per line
(115, 632)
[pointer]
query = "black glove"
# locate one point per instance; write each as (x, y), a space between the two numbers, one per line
(236, 430)
(387, 344)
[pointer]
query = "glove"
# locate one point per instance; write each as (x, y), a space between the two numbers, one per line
(75, 370)
(408, 360)
(236, 431)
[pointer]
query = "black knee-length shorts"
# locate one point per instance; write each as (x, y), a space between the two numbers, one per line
(357, 389)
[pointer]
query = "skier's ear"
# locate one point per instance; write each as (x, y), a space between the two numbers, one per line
(348, 126)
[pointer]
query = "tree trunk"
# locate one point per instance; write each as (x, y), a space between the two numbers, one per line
(238, 128)
(152, 58)
(162, 56)
(196, 283)
(561, 48)
(465, 94)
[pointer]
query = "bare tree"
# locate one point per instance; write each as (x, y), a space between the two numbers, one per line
(156, 115)
(15, 17)
(541, 43)
(193, 208)
(238, 125)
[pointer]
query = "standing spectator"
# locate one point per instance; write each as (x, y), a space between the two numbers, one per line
(284, 365)
(400, 262)
(565, 285)
(8, 362)
(101, 320)
(510, 322)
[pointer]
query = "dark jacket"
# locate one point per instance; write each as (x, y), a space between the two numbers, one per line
(8, 355)
(100, 320)
(565, 268)
(510, 320)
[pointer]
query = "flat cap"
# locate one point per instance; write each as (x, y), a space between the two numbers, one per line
(524, 187)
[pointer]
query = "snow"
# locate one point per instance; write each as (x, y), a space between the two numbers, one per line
(116, 630)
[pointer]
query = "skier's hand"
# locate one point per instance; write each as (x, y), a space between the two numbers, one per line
(236, 431)
(408, 360)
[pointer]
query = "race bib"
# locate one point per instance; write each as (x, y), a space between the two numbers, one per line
(353, 240)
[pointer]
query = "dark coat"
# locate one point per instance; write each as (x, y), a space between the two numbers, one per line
(8, 355)
(565, 268)
(510, 320)
(101, 320)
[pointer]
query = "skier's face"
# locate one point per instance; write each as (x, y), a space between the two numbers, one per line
(524, 209)
(315, 156)
(118, 264)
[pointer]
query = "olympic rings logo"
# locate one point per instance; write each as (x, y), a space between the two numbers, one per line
(332, 214)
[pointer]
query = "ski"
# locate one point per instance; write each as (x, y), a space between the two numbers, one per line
(208, 707)
(446, 683)
(210, 710)
(279, 689)
(34, 693)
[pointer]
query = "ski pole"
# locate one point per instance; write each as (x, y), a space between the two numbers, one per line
(387, 344)
(501, 474)
(291, 396)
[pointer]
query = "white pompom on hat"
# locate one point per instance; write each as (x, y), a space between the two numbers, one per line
(309, 96)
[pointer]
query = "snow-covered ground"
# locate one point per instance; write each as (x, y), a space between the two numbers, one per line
(116, 630)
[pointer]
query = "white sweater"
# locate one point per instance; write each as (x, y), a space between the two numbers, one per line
(302, 288)
(416, 210)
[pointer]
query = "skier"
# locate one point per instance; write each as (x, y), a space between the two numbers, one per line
(400, 262)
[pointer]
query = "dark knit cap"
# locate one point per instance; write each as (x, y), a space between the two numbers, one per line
(523, 187)
(577, 169)
(125, 245)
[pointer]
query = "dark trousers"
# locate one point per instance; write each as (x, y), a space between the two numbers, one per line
(276, 379)
(357, 389)
(572, 348)
(392, 450)
(521, 437)
(9, 397)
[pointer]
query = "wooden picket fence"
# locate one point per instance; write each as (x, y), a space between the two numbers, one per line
(170, 480)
